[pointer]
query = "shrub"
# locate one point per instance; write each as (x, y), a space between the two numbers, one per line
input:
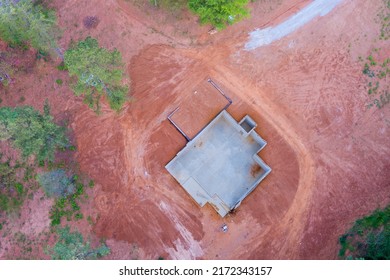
(71, 246)
(91, 22)
(32, 132)
(62, 67)
(368, 238)
(56, 183)
(68, 206)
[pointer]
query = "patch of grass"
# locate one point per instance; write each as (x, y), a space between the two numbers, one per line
(368, 238)
(19, 188)
(378, 86)
(62, 67)
(27, 247)
(384, 16)
(4, 201)
(372, 61)
(367, 71)
(72, 148)
(89, 220)
(78, 216)
(376, 71)
(12, 191)
(59, 82)
(69, 206)
(71, 246)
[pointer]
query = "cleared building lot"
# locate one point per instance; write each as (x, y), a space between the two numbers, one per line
(220, 165)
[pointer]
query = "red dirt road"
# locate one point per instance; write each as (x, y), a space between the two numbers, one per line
(329, 154)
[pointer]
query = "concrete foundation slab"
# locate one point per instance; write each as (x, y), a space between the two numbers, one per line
(220, 165)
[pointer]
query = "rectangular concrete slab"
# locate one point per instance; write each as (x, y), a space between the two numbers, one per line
(220, 165)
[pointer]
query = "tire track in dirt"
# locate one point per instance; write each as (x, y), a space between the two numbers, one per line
(320, 71)
(298, 209)
(140, 218)
(269, 110)
(125, 8)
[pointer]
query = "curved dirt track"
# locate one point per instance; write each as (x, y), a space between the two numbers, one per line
(329, 154)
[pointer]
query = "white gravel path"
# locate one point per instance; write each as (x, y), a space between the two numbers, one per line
(266, 36)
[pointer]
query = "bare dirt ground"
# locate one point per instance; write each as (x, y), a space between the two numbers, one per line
(330, 155)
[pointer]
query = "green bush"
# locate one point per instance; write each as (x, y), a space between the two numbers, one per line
(4, 200)
(32, 132)
(219, 13)
(98, 71)
(369, 237)
(71, 246)
(68, 206)
(62, 67)
(19, 188)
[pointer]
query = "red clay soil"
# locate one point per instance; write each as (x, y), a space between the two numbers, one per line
(201, 104)
(329, 155)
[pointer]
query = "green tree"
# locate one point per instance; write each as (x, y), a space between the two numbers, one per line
(32, 132)
(24, 22)
(368, 238)
(219, 13)
(98, 71)
(71, 246)
(56, 183)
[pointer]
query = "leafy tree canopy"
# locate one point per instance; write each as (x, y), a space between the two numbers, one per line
(56, 183)
(219, 13)
(22, 21)
(32, 132)
(71, 246)
(98, 71)
(369, 238)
